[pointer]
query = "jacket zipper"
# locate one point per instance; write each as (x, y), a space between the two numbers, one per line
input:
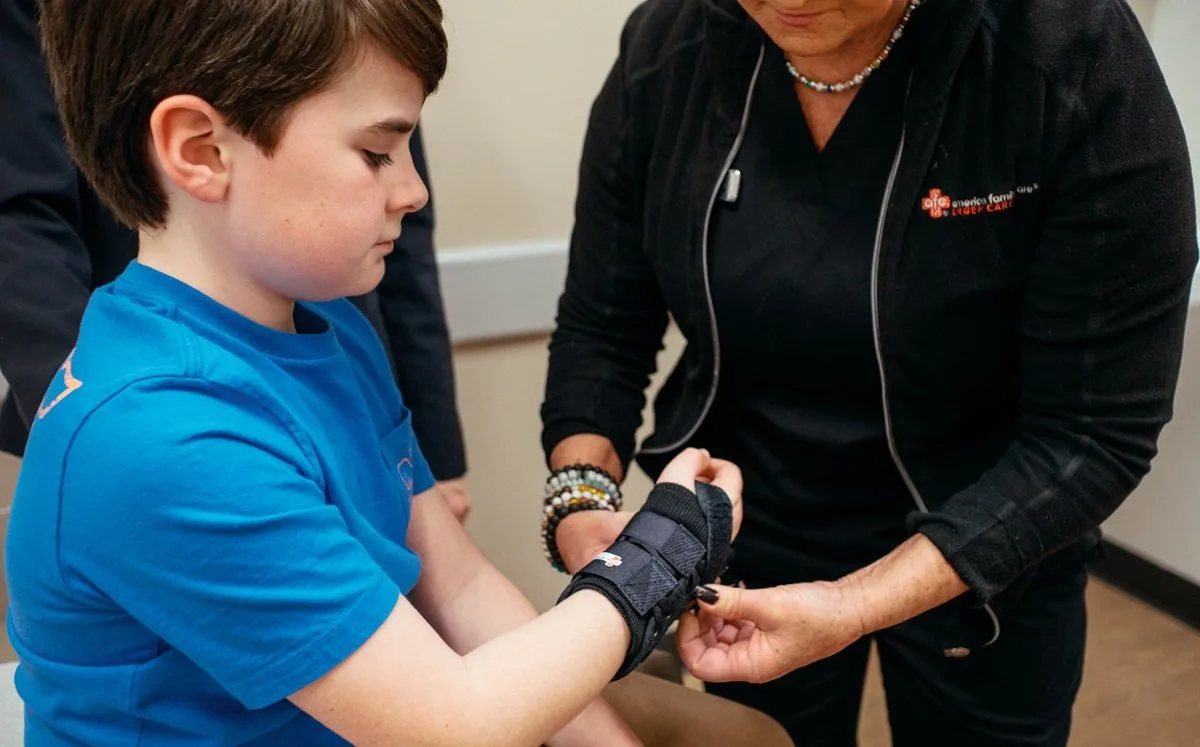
(716, 339)
(708, 299)
(887, 416)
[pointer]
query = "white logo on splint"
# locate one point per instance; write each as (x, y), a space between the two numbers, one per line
(609, 559)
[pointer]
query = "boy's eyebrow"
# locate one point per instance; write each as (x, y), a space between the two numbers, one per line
(391, 126)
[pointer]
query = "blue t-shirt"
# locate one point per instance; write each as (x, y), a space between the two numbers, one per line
(210, 516)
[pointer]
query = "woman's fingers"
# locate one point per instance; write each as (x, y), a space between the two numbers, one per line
(729, 634)
(746, 631)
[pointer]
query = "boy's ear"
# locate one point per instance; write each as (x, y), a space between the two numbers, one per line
(190, 141)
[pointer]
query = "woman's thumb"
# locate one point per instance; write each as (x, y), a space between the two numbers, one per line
(732, 602)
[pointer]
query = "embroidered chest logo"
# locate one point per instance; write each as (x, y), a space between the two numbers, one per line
(936, 204)
(69, 385)
(941, 205)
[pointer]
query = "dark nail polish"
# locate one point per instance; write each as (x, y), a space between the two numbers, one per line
(706, 594)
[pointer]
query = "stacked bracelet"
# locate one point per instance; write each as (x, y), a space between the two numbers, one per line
(576, 475)
(579, 487)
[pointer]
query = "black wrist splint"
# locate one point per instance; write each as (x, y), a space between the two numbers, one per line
(677, 541)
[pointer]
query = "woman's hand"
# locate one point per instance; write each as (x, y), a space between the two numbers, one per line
(583, 534)
(761, 634)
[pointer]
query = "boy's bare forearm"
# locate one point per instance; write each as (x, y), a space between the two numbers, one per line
(470, 602)
(452, 571)
(522, 687)
(404, 686)
(562, 661)
(466, 599)
(490, 607)
(517, 679)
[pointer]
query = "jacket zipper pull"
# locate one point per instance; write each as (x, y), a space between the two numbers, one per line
(731, 186)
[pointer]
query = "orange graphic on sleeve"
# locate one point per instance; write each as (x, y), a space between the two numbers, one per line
(70, 384)
(405, 468)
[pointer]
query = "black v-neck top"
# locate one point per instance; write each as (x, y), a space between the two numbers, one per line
(799, 405)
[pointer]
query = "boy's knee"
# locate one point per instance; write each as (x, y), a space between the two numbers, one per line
(665, 714)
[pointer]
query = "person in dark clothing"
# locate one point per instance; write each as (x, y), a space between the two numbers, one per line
(58, 244)
(932, 262)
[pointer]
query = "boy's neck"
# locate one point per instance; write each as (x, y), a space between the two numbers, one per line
(188, 262)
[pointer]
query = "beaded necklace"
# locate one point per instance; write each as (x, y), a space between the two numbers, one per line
(865, 73)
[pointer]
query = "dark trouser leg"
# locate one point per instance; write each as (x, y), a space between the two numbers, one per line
(1018, 691)
(818, 705)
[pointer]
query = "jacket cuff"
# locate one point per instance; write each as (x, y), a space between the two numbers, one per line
(985, 556)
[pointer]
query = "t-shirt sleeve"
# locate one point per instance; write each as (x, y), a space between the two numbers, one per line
(194, 510)
(422, 475)
(368, 356)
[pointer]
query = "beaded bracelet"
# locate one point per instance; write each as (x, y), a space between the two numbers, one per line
(569, 490)
(580, 475)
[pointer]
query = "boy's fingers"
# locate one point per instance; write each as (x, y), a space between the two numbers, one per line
(685, 468)
(728, 477)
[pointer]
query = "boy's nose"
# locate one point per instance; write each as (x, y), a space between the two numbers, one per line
(409, 195)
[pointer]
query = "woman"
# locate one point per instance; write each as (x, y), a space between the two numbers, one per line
(932, 262)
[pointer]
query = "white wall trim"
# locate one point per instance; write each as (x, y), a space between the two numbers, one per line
(506, 290)
(502, 290)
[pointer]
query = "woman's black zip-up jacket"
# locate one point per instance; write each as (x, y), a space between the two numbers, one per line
(1030, 284)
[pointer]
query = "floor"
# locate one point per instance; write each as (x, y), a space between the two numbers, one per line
(1141, 686)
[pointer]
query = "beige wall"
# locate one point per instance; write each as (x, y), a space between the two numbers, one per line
(499, 392)
(504, 135)
(1161, 520)
(505, 130)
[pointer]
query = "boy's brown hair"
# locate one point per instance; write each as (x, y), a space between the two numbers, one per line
(112, 61)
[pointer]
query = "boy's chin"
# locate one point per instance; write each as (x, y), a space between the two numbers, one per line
(369, 280)
(361, 283)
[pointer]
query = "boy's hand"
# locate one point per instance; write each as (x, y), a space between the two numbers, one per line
(457, 497)
(678, 539)
(697, 465)
(583, 534)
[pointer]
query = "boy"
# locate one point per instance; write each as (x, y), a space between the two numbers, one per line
(57, 245)
(222, 516)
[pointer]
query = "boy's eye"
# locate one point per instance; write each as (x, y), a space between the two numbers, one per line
(377, 160)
